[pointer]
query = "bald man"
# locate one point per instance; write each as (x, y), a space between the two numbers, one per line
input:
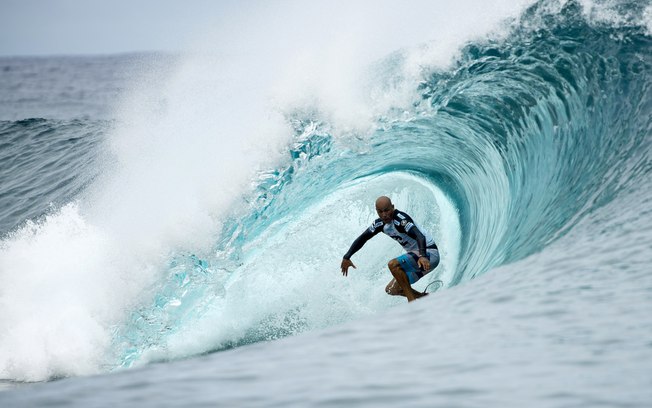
(421, 257)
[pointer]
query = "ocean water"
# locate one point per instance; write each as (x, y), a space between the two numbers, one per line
(172, 225)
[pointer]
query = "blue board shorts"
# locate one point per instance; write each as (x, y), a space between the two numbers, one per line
(409, 264)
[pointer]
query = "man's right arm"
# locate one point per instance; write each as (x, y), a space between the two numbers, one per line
(359, 243)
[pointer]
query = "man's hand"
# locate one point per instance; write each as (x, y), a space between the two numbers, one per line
(424, 263)
(346, 263)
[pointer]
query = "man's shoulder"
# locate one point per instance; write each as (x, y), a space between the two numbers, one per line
(402, 219)
(401, 216)
(378, 223)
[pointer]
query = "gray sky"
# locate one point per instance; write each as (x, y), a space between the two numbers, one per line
(46, 27)
(64, 27)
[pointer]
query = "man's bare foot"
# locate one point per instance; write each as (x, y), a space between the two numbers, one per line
(419, 294)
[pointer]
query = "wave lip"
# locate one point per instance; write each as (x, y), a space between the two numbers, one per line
(547, 125)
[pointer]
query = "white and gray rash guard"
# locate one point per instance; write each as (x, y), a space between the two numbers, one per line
(402, 229)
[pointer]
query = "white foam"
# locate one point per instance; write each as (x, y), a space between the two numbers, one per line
(616, 13)
(331, 69)
(61, 286)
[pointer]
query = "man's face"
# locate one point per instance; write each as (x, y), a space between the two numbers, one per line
(385, 212)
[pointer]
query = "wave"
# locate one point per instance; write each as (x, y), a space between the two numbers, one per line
(498, 155)
(516, 143)
(44, 164)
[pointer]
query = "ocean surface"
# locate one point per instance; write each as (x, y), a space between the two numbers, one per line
(171, 225)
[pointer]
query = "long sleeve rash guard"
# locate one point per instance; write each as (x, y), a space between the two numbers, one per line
(402, 229)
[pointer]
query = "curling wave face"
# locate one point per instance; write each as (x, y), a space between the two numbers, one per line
(504, 153)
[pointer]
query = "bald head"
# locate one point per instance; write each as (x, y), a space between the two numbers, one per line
(385, 209)
(383, 201)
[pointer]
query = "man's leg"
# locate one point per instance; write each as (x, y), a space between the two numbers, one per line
(402, 280)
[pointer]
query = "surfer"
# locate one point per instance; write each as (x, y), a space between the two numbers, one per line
(421, 257)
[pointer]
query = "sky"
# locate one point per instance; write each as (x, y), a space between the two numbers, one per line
(74, 27)
(83, 27)
(69, 27)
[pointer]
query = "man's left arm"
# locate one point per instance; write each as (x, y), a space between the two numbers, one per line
(424, 261)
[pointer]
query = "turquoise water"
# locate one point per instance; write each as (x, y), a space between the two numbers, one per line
(528, 158)
(512, 139)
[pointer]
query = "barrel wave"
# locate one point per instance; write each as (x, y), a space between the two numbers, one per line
(210, 206)
(501, 155)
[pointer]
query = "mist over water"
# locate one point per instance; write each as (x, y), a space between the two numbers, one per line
(215, 210)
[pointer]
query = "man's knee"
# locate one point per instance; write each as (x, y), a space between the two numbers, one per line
(395, 267)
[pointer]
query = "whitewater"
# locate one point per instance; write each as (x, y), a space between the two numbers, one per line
(172, 225)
